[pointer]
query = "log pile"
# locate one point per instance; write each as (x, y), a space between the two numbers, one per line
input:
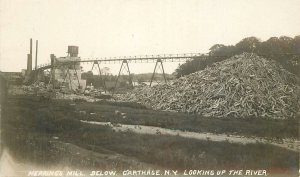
(242, 86)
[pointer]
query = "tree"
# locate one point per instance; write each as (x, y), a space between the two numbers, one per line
(215, 48)
(88, 76)
(249, 44)
(285, 50)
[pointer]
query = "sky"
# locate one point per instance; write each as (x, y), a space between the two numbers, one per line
(109, 28)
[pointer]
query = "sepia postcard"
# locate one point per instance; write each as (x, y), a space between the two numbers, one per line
(136, 88)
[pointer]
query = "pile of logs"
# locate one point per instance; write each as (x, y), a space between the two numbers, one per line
(242, 86)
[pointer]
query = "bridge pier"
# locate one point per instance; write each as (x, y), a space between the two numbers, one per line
(71, 76)
(158, 61)
(124, 65)
(79, 86)
(67, 74)
(100, 73)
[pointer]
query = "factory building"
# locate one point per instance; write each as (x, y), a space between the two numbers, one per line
(67, 70)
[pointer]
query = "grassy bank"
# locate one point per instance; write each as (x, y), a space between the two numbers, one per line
(29, 125)
(105, 111)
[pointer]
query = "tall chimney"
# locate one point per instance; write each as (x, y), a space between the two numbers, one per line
(29, 58)
(36, 53)
(52, 56)
(29, 64)
(31, 47)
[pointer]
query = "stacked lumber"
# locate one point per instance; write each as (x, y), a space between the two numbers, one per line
(242, 86)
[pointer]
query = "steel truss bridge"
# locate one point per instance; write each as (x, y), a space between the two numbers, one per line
(134, 59)
(157, 59)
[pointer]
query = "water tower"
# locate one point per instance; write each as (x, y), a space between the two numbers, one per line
(73, 51)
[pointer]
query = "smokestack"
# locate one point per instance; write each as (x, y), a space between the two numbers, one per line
(29, 58)
(31, 47)
(52, 56)
(36, 53)
(29, 63)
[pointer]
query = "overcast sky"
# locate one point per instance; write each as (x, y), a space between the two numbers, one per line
(136, 27)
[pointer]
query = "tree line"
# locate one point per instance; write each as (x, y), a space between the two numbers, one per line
(285, 50)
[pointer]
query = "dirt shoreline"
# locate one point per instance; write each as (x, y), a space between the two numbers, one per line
(289, 144)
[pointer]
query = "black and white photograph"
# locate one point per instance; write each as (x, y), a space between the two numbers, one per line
(137, 88)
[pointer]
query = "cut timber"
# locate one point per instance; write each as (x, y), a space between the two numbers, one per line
(242, 86)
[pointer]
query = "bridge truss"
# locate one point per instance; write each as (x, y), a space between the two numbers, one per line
(157, 59)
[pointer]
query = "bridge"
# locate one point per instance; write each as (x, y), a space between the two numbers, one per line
(125, 60)
(132, 59)
(70, 66)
